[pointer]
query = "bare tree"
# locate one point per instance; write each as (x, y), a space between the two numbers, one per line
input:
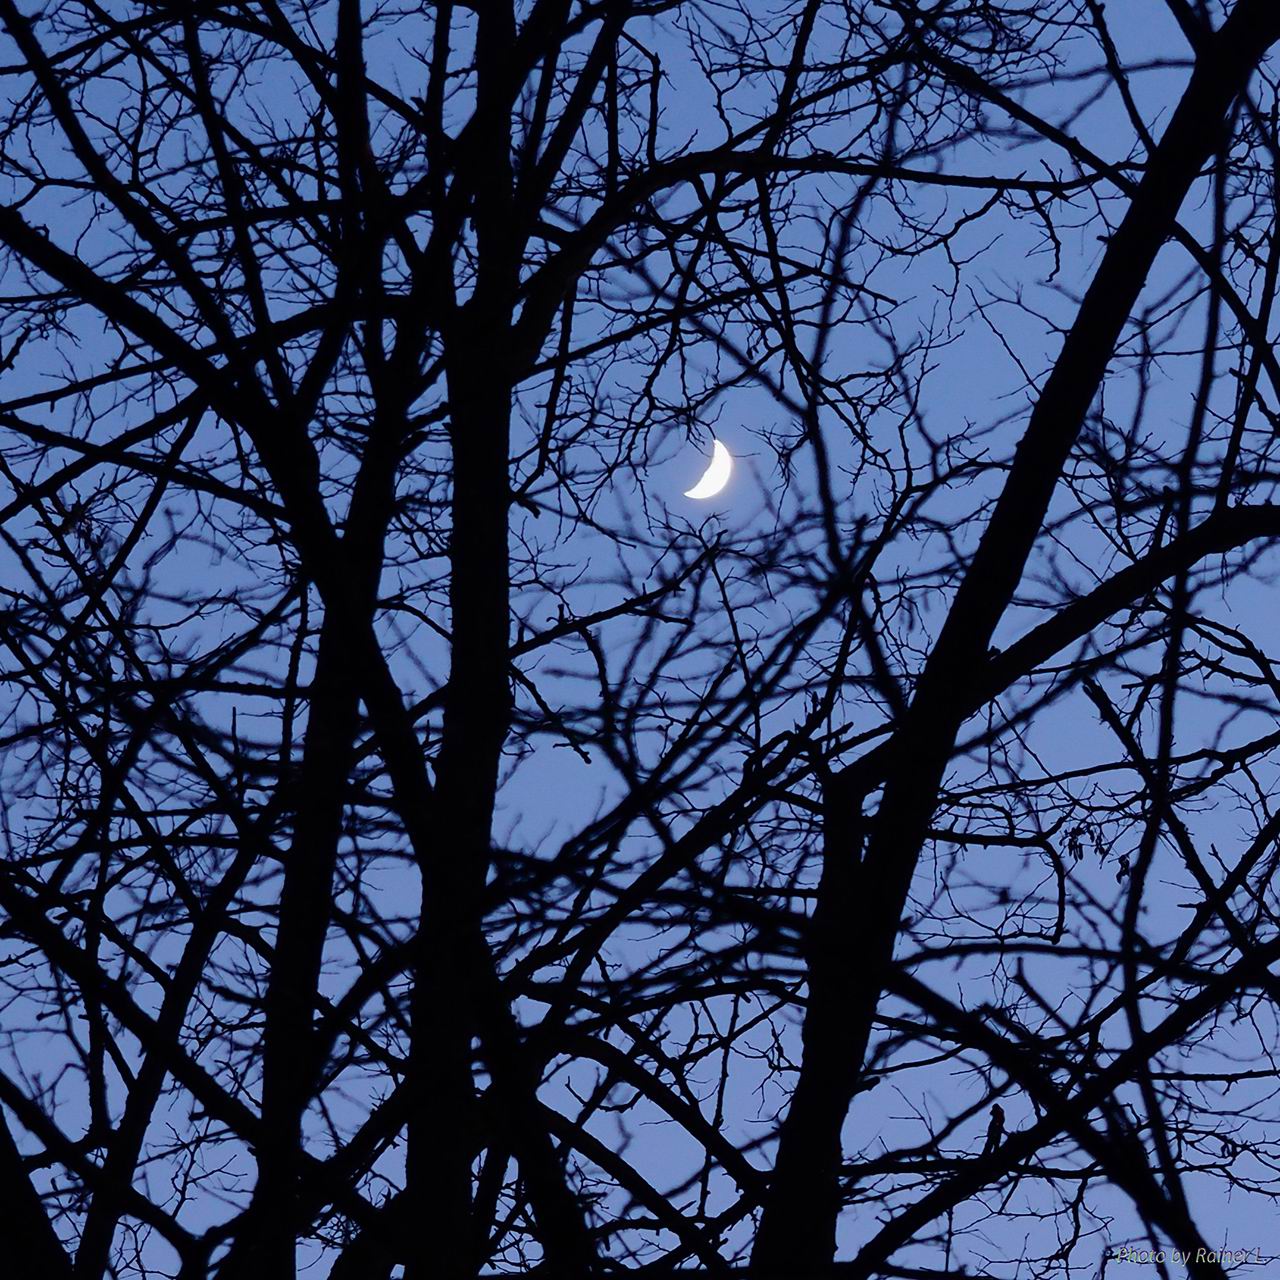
(431, 846)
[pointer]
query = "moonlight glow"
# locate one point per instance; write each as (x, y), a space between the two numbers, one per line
(716, 476)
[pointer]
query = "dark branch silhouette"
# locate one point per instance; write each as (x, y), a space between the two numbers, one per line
(434, 847)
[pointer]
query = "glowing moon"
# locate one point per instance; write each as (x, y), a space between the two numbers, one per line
(716, 476)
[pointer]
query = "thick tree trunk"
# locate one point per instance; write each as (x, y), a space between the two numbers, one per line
(476, 719)
(288, 1065)
(855, 931)
(32, 1247)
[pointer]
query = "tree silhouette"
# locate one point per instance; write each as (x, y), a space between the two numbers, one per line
(431, 846)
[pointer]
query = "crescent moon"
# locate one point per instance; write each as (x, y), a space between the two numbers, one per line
(716, 476)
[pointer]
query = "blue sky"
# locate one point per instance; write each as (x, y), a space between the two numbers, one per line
(973, 372)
